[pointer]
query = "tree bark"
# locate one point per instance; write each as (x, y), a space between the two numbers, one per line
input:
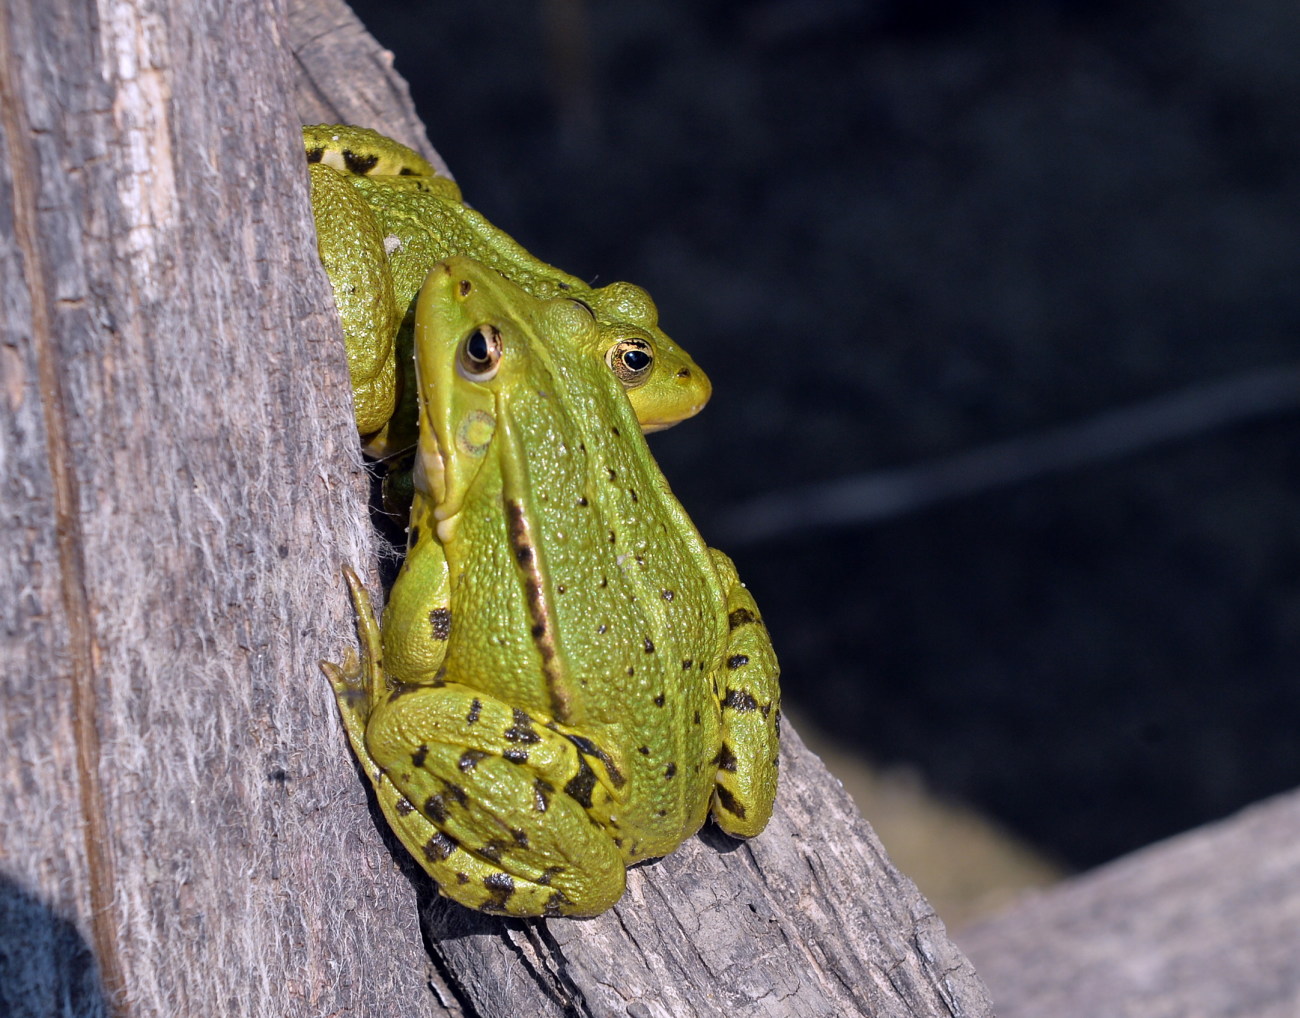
(180, 489)
(185, 831)
(1205, 924)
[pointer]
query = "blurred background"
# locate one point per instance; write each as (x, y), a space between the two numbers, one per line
(1026, 272)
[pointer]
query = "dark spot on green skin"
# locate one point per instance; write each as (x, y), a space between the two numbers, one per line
(614, 428)
(406, 171)
(465, 286)
(412, 538)
(522, 730)
(582, 500)
(740, 701)
(728, 802)
(538, 631)
(601, 629)
(776, 722)
(523, 554)
(402, 689)
(726, 759)
(588, 747)
(580, 785)
(516, 756)
(560, 588)
(659, 700)
(542, 791)
(315, 155)
(697, 717)
(462, 878)
(475, 709)
(502, 885)
(440, 623)
(649, 647)
(644, 750)
(458, 793)
(612, 538)
(469, 759)
(737, 661)
(492, 850)
(741, 617)
(630, 671)
(766, 709)
(439, 847)
(684, 373)
(435, 808)
(686, 664)
(670, 771)
(549, 874)
(612, 472)
(668, 595)
(632, 492)
(419, 755)
(521, 837)
(404, 807)
(359, 164)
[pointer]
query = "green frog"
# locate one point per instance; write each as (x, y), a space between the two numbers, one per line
(384, 216)
(567, 679)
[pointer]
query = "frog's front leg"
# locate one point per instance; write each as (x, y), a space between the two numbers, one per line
(498, 806)
(751, 714)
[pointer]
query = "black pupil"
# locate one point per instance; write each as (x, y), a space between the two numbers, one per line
(636, 360)
(477, 347)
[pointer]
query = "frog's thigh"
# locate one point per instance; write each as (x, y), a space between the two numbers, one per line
(490, 802)
(751, 713)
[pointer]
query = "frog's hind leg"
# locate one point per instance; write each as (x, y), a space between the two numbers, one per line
(495, 804)
(751, 715)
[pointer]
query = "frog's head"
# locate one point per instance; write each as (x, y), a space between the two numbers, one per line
(663, 383)
(481, 345)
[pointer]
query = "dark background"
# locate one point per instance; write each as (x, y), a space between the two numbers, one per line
(893, 232)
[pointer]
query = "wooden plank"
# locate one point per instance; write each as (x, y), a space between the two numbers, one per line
(185, 832)
(180, 490)
(1206, 924)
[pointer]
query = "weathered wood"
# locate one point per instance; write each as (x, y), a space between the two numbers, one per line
(345, 77)
(179, 489)
(810, 918)
(185, 831)
(1206, 924)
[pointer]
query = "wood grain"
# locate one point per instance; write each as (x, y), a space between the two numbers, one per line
(1205, 924)
(185, 831)
(180, 489)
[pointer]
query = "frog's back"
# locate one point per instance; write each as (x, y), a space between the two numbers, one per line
(618, 620)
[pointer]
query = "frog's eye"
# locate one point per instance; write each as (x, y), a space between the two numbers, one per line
(480, 354)
(631, 360)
